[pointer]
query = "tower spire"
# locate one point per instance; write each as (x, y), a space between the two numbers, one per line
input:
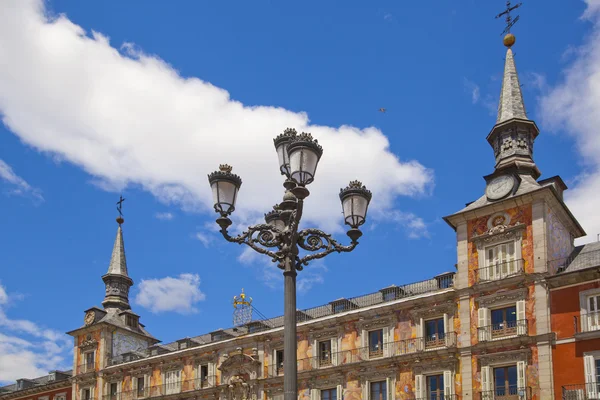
(117, 280)
(513, 135)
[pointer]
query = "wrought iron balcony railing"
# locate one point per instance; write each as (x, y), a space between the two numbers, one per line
(85, 368)
(392, 349)
(499, 271)
(507, 393)
(435, 396)
(164, 390)
(583, 391)
(502, 330)
(590, 321)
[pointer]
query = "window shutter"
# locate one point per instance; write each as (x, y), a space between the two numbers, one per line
(447, 335)
(211, 371)
(314, 394)
(274, 363)
(134, 383)
(482, 314)
(421, 335)
(390, 385)
(590, 376)
(419, 387)
(339, 391)
(315, 348)
(334, 351)
(364, 342)
(386, 336)
(365, 390)
(521, 322)
(448, 383)
(486, 384)
(521, 375)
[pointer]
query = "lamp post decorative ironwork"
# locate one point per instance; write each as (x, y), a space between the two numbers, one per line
(279, 237)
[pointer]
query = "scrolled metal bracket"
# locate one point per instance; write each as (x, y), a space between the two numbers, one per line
(314, 240)
(258, 237)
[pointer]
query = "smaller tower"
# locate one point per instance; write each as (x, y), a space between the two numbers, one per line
(242, 309)
(117, 280)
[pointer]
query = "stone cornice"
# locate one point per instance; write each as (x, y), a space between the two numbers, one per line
(504, 356)
(370, 373)
(438, 309)
(502, 297)
(374, 323)
(321, 381)
(430, 365)
(499, 233)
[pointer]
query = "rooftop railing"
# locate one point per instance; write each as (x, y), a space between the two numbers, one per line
(582, 391)
(382, 296)
(500, 271)
(502, 330)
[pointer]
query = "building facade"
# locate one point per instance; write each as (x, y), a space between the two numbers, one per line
(54, 386)
(498, 327)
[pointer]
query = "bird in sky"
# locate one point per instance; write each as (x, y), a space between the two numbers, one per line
(382, 110)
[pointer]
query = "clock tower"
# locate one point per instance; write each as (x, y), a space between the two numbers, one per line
(517, 233)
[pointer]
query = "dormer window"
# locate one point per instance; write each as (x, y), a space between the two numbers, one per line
(131, 321)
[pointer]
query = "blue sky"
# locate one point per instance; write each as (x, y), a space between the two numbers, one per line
(145, 99)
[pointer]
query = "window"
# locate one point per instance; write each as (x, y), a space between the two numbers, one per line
(140, 389)
(131, 321)
(376, 343)
(499, 261)
(86, 394)
(505, 381)
(504, 322)
(279, 362)
(203, 375)
(61, 396)
(434, 333)
(389, 295)
(377, 391)
(113, 390)
(593, 314)
(329, 394)
(435, 387)
(89, 361)
(325, 353)
(173, 383)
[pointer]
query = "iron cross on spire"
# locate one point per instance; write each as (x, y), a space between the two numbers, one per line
(120, 205)
(509, 21)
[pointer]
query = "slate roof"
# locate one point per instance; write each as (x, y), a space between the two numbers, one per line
(39, 381)
(118, 262)
(584, 257)
(511, 99)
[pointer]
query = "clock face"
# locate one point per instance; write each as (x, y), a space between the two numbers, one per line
(89, 318)
(499, 187)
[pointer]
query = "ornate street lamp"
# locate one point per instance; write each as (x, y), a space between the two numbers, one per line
(279, 237)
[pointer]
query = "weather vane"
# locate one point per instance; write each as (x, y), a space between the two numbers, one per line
(509, 21)
(120, 205)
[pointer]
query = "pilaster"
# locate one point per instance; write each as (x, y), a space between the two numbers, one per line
(462, 276)
(540, 232)
(466, 373)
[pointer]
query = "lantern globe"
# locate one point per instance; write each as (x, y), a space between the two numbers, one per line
(225, 187)
(304, 154)
(355, 200)
(274, 219)
(281, 143)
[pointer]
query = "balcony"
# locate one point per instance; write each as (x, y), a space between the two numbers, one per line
(583, 391)
(503, 330)
(361, 354)
(85, 368)
(509, 393)
(164, 390)
(499, 271)
(590, 322)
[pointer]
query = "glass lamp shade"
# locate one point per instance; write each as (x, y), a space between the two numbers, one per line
(304, 154)
(281, 146)
(273, 218)
(355, 202)
(225, 186)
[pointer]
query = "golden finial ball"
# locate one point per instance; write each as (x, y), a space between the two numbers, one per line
(120, 220)
(509, 40)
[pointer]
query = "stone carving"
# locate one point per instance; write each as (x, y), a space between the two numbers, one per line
(503, 357)
(324, 334)
(445, 307)
(499, 233)
(240, 365)
(88, 344)
(117, 289)
(502, 297)
(239, 389)
(321, 381)
(374, 323)
(432, 365)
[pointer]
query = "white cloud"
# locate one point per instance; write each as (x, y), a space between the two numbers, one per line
(26, 349)
(170, 294)
(164, 216)
(573, 106)
(19, 186)
(126, 117)
(473, 89)
(204, 238)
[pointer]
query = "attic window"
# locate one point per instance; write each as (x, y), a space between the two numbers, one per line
(131, 321)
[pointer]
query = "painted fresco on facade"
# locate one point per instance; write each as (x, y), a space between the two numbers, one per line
(405, 385)
(560, 241)
(125, 343)
(353, 389)
(405, 328)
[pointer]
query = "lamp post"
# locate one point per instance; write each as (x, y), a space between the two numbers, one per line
(279, 238)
